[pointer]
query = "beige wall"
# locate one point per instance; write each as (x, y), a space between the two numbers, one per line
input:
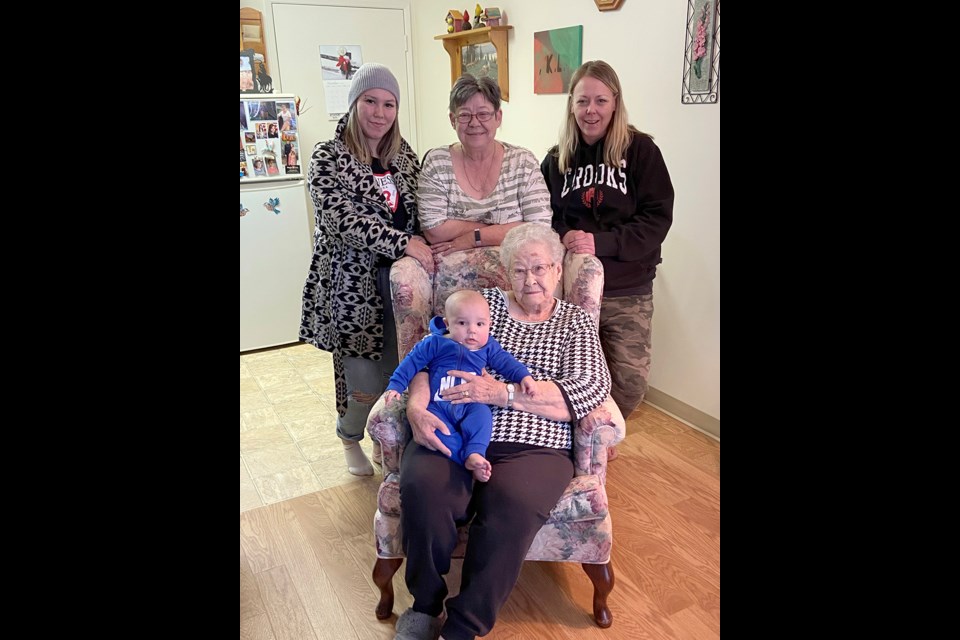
(644, 41)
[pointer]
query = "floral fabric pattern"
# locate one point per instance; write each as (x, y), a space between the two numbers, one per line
(579, 527)
(417, 296)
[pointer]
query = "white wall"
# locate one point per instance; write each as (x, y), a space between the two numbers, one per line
(644, 41)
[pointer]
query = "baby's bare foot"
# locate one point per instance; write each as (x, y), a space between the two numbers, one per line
(480, 466)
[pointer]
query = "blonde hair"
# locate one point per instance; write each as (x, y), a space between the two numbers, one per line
(619, 132)
(387, 149)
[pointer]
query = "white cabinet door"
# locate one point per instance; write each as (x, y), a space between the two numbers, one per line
(297, 32)
(274, 260)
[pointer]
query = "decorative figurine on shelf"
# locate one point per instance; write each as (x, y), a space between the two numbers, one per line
(454, 19)
(476, 20)
(466, 21)
(492, 16)
(264, 82)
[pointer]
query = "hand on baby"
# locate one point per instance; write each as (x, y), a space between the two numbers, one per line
(529, 386)
(391, 396)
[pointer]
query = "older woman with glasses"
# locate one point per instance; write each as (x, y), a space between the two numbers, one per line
(472, 193)
(530, 447)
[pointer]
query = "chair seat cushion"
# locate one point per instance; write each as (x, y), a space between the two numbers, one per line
(584, 499)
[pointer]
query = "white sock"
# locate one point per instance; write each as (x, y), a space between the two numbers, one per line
(357, 462)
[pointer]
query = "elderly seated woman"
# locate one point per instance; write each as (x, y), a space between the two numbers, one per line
(530, 448)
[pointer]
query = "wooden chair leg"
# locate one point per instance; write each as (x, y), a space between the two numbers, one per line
(383, 571)
(601, 575)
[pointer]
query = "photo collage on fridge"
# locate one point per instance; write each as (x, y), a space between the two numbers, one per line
(269, 141)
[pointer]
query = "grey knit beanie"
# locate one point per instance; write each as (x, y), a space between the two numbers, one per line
(373, 76)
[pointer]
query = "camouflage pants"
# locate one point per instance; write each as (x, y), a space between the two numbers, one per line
(625, 329)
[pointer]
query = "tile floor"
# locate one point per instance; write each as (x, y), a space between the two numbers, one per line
(288, 443)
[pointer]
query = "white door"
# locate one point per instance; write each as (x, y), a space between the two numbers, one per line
(297, 32)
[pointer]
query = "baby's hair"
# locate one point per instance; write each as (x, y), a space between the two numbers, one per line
(459, 297)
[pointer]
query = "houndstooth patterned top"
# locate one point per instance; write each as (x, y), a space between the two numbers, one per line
(564, 349)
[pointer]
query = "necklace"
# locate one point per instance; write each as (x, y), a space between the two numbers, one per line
(483, 176)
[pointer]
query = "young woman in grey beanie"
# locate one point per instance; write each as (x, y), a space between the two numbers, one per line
(363, 183)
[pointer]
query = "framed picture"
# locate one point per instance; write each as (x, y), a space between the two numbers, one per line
(478, 48)
(480, 60)
(557, 54)
(247, 82)
(701, 57)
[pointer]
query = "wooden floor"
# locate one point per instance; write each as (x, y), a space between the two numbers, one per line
(305, 563)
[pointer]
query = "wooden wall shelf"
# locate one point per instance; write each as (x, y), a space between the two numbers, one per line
(497, 36)
(253, 20)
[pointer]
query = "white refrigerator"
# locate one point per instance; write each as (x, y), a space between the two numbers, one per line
(276, 220)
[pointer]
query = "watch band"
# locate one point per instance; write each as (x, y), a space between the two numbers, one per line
(511, 389)
(476, 237)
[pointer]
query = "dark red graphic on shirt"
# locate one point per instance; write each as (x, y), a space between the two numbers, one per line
(587, 197)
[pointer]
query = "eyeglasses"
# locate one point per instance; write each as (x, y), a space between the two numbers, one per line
(538, 271)
(465, 118)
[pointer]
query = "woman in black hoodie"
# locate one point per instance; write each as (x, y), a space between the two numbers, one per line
(612, 197)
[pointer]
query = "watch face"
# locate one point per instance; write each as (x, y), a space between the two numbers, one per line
(511, 388)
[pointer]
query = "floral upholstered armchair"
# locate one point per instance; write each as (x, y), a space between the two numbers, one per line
(579, 527)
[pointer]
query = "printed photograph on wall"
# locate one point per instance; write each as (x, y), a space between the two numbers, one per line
(480, 60)
(340, 61)
(701, 59)
(556, 55)
(338, 64)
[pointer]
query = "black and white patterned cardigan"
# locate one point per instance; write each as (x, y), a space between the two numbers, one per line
(564, 349)
(342, 310)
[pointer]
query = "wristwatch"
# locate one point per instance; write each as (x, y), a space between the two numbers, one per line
(511, 389)
(476, 237)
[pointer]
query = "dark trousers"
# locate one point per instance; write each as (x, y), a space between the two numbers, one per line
(439, 494)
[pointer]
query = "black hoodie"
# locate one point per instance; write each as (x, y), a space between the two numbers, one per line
(628, 209)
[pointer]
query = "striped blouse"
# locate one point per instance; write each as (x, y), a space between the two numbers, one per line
(520, 195)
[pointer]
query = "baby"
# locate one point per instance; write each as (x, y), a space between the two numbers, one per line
(461, 341)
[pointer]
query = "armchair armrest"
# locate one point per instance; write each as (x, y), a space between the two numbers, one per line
(601, 428)
(389, 427)
(411, 290)
(583, 282)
